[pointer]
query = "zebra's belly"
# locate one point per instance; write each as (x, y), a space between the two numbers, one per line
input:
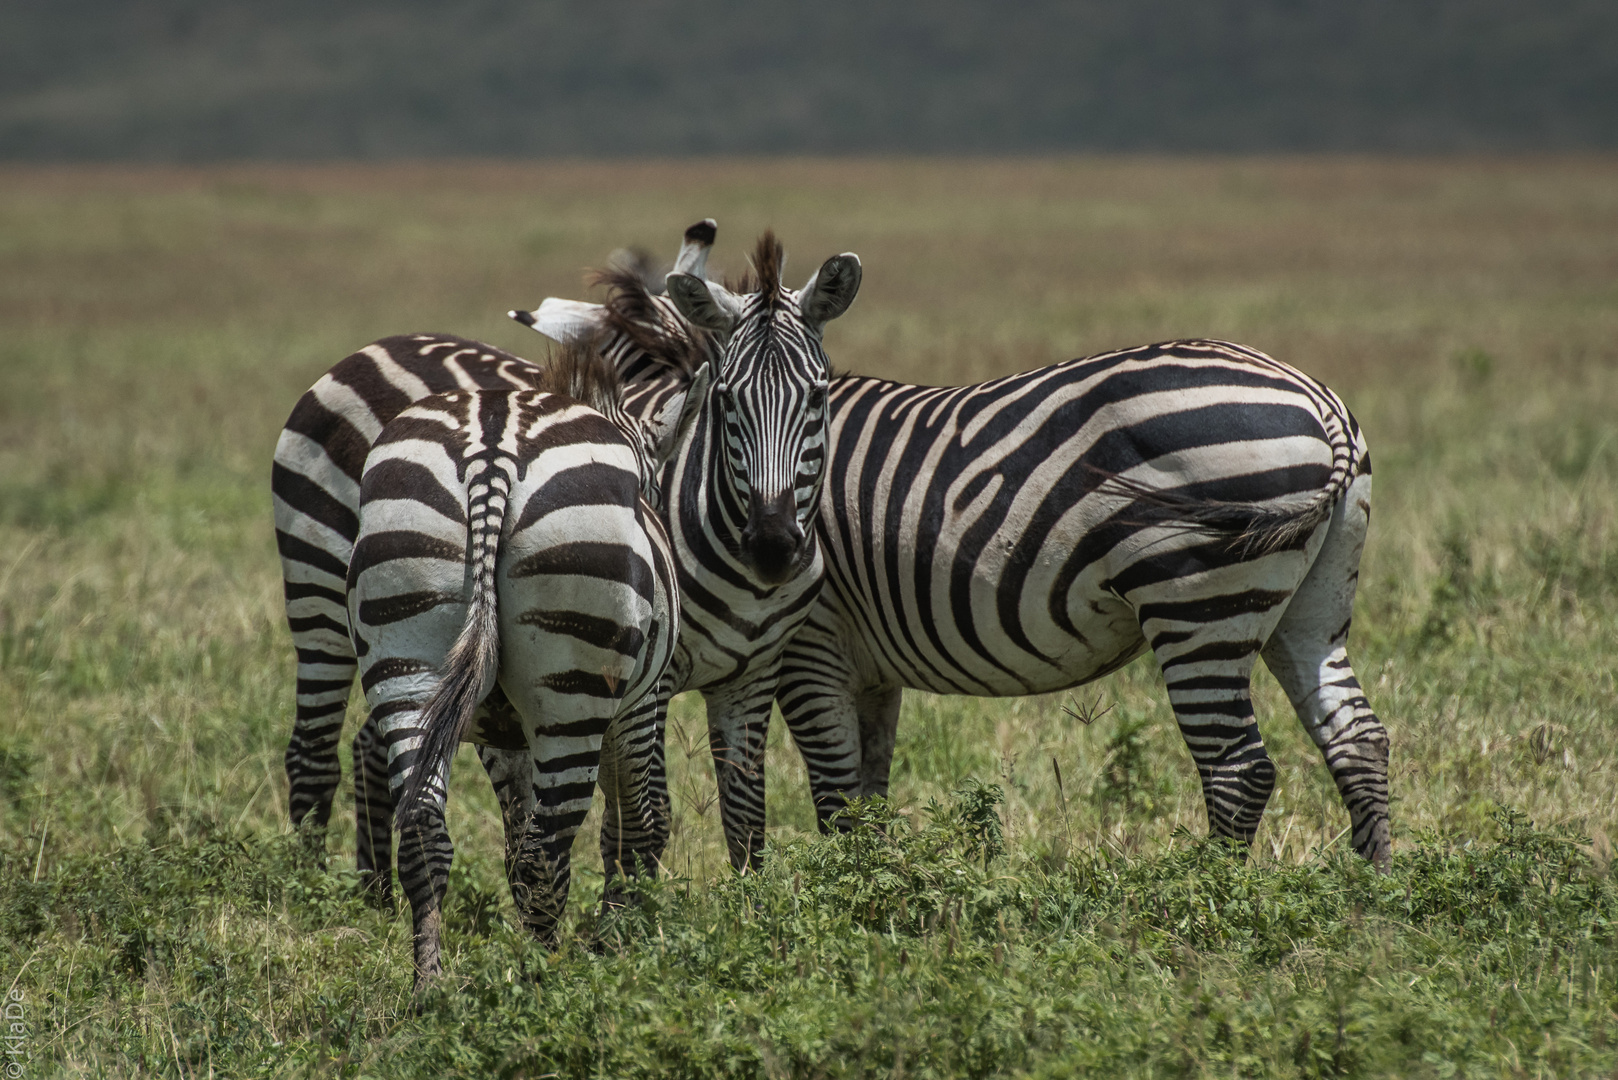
(1034, 644)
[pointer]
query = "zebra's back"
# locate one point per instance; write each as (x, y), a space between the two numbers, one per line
(983, 538)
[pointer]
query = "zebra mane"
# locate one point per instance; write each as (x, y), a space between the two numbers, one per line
(640, 264)
(764, 271)
(580, 371)
(633, 312)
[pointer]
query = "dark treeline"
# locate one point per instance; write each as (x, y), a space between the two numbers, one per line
(205, 79)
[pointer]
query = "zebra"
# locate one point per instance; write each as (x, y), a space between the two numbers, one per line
(1030, 534)
(508, 534)
(315, 482)
(740, 503)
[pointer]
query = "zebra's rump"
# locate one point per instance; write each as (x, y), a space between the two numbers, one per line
(996, 538)
(581, 567)
(319, 458)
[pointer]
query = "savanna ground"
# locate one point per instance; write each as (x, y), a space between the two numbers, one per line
(157, 916)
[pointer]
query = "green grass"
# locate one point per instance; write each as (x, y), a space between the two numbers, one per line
(157, 916)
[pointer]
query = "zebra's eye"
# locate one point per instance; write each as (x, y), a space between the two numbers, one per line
(817, 396)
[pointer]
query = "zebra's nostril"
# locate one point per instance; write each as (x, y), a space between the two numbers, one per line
(774, 557)
(773, 539)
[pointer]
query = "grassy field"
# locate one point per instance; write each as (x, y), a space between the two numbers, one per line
(158, 917)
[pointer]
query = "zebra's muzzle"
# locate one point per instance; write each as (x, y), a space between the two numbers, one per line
(772, 541)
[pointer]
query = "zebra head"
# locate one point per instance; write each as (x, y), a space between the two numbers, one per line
(767, 411)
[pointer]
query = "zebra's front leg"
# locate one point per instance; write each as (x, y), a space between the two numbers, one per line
(845, 737)
(511, 773)
(502, 746)
(879, 730)
(634, 780)
(738, 728)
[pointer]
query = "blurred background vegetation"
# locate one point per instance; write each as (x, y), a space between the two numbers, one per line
(229, 79)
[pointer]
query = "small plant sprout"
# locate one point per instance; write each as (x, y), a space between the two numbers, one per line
(1085, 714)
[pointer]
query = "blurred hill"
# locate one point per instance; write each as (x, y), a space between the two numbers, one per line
(190, 80)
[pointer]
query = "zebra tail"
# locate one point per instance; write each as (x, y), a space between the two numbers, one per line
(1253, 529)
(473, 662)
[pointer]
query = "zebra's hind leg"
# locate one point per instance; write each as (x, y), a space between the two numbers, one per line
(373, 814)
(425, 849)
(635, 820)
(566, 760)
(1213, 705)
(325, 675)
(542, 873)
(1206, 647)
(1308, 655)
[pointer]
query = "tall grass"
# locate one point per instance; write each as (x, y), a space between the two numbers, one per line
(157, 916)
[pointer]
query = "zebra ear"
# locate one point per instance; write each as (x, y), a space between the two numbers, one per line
(674, 422)
(704, 304)
(834, 286)
(564, 320)
(693, 257)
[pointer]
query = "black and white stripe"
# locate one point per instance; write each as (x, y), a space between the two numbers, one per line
(315, 482)
(505, 534)
(740, 502)
(1033, 533)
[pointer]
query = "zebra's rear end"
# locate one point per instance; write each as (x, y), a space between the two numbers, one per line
(505, 535)
(315, 481)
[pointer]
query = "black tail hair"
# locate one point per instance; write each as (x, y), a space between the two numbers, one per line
(1252, 529)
